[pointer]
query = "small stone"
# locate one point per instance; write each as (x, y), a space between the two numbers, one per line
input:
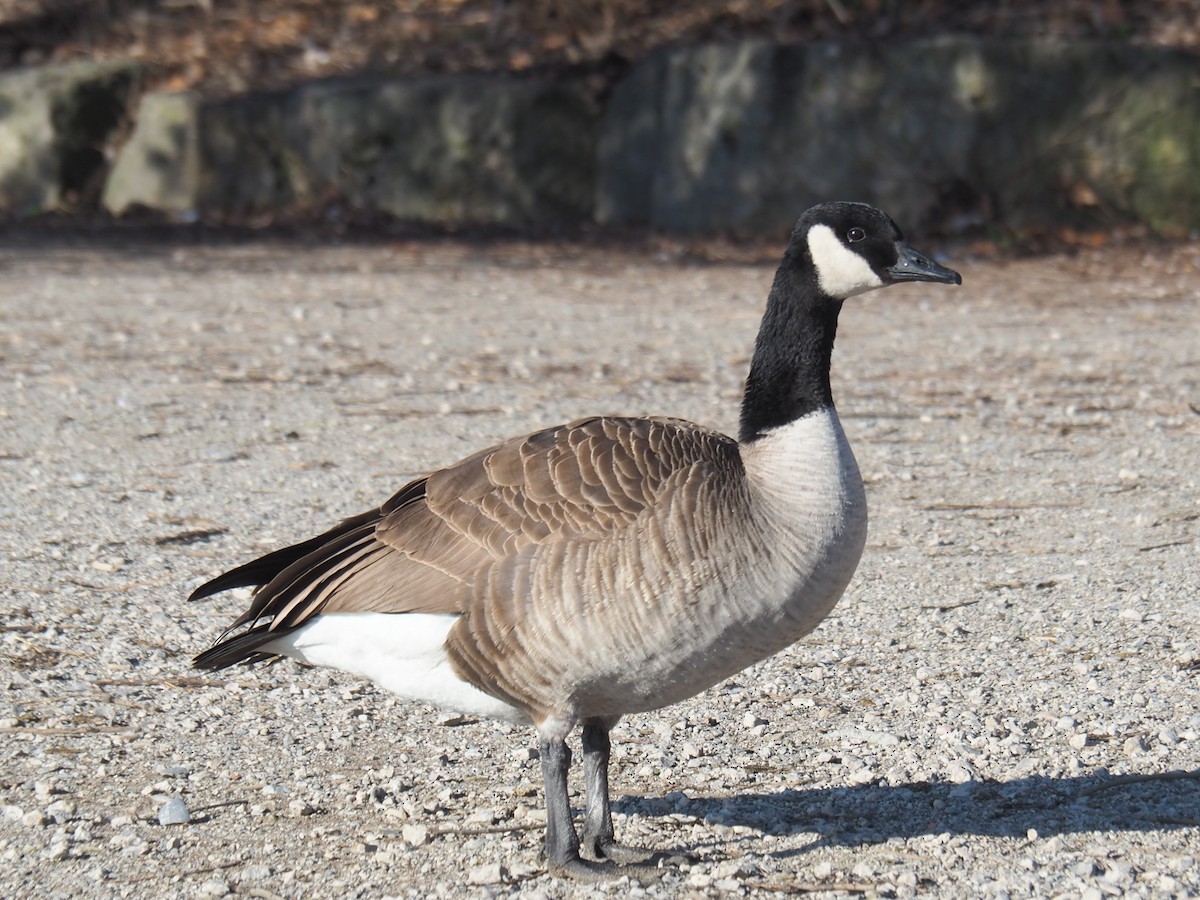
(482, 816)
(536, 816)
(1117, 872)
(1134, 746)
(62, 810)
(749, 720)
(1078, 741)
(959, 773)
(415, 835)
(523, 871)
(491, 873)
(863, 871)
(1168, 736)
(257, 872)
(174, 812)
(299, 808)
(882, 739)
(214, 887)
(862, 776)
(14, 813)
(43, 789)
(34, 819)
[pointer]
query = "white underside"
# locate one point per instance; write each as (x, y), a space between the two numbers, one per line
(404, 653)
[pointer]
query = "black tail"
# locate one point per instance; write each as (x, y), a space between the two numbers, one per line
(278, 577)
(262, 570)
(241, 648)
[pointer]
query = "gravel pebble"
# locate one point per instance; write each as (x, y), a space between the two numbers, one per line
(214, 887)
(1030, 447)
(492, 873)
(174, 812)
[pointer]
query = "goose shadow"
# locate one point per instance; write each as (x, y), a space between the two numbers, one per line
(867, 814)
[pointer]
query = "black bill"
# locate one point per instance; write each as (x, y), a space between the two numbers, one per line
(912, 266)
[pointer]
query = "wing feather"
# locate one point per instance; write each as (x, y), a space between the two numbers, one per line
(461, 540)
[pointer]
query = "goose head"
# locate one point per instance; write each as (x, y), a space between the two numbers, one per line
(854, 248)
(837, 250)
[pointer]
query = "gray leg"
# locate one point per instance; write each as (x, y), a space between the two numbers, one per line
(562, 843)
(598, 839)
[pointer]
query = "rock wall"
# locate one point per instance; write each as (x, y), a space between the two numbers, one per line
(441, 150)
(945, 134)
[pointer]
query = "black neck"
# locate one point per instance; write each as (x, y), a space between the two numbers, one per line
(789, 376)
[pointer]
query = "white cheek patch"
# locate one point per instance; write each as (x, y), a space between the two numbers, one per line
(841, 272)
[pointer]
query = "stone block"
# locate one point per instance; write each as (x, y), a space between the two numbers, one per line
(58, 126)
(158, 167)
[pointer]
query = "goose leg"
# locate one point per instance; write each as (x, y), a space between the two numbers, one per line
(562, 843)
(598, 840)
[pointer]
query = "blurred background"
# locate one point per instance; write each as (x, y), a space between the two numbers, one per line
(1022, 121)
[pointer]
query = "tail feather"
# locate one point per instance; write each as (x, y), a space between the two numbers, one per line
(265, 568)
(270, 575)
(292, 583)
(299, 572)
(241, 648)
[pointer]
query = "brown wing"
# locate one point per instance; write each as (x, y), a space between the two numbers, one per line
(435, 544)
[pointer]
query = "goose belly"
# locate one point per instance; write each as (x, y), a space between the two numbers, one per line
(718, 630)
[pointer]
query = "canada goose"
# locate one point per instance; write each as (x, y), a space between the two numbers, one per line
(608, 566)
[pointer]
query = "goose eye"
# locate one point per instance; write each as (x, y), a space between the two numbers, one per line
(855, 234)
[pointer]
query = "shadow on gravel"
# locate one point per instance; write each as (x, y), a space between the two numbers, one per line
(874, 813)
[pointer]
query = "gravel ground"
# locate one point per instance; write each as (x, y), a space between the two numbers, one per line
(1006, 703)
